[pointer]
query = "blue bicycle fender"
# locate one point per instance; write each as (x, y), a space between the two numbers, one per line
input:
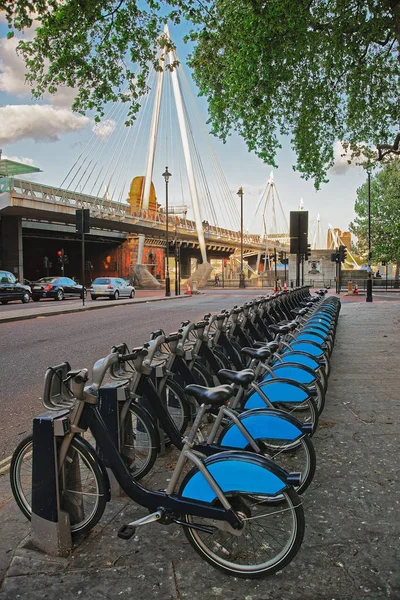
(278, 390)
(312, 327)
(261, 424)
(235, 472)
(300, 358)
(310, 337)
(299, 373)
(308, 347)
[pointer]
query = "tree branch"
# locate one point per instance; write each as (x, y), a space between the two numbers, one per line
(384, 149)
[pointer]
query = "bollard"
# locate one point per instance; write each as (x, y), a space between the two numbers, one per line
(350, 287)
(194, 287)
(50, 525)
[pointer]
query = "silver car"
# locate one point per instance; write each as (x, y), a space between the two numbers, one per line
(111, 287)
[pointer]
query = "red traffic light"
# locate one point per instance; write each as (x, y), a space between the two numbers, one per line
(59, 252)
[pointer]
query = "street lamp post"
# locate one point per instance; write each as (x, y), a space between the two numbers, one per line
(369, 280)
(166, 176)
(241, 274)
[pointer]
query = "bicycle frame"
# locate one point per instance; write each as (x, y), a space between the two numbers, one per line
(273, 479)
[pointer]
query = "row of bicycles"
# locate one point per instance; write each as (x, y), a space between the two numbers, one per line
(238, 394)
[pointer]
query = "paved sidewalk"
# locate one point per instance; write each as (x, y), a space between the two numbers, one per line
(351, 548)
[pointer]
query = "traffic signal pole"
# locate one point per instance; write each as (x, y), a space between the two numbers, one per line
(82, 216)
(83, 268)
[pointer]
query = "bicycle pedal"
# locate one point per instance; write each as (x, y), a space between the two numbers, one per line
(126, 532)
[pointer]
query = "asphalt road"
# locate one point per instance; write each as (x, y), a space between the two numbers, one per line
(28, 347)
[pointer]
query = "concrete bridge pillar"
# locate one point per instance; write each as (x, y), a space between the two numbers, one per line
(11, 249)
(253, 262)
(185, 265)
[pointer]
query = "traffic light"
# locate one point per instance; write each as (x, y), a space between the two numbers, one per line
(308, 252)
(46, 262)
(335, 257)
(88, 265)
(82, 216)
(281, 257)
(342, 253)
(115, 266)
(61, 256)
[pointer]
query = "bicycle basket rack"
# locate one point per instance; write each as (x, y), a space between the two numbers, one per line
(57, 393)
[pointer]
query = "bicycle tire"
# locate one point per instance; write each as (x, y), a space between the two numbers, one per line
(85, 517)
(222, 358)
(287, 456)
(141, 432)
(202, 375)
(233, 554)
(177, 404)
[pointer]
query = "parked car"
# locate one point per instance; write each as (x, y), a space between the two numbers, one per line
(55, 287)
(11, 289)
(111, 287)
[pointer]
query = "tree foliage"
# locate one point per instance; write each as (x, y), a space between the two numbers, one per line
(316, 70)
(102, 48)
(385, 215)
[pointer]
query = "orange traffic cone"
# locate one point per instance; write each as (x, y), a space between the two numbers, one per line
(188, 290)
(284, 286)
(356, 289)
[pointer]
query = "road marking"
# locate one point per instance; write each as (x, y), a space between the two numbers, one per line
(8, 459)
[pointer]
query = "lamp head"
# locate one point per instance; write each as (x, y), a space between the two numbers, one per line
(166, 175)
(240, 191)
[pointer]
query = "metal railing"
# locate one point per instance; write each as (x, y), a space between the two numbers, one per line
(104, 207)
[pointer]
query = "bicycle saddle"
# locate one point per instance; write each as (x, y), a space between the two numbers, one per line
(242, 378)
(213, 396)
(272, 346)
(279, 328)
(257, 353)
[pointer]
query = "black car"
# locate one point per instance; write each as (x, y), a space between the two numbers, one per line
(11, 289)
(55, 287)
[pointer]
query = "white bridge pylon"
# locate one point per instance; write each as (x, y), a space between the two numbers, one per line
(194, 196)
(275, 228)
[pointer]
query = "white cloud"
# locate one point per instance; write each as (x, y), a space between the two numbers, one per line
(105, 128)
(24, 160)
(12, 69)
(342, 158)
(12, 76)
(39, 122)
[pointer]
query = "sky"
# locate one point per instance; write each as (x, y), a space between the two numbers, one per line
(49, 135)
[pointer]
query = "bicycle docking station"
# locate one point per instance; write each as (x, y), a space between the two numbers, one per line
(113, 405)
(50, 526)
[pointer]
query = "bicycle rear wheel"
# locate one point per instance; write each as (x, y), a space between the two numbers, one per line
(83, 488)
(270, 538)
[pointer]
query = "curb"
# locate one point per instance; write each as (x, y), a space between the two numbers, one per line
(87, 308)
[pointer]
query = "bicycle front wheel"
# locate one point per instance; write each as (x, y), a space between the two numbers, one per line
(270, 538)
(177, 404)
(139, 441)
(83, 489)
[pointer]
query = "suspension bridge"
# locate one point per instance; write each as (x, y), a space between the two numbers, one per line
(124, 207)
